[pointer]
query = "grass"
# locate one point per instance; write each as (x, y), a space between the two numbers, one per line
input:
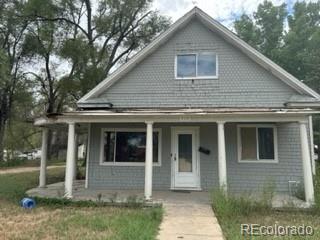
(233, 211)
(59, 221)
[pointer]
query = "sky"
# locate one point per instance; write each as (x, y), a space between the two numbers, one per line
(225, 11)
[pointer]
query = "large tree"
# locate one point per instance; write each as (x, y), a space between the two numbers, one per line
(12, 29)
(100, 35)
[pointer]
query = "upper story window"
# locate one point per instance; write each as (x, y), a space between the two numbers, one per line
(196, 65)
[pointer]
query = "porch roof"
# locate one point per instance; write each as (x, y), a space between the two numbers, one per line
(177, 115)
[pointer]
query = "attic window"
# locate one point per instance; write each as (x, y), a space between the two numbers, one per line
(196, 65)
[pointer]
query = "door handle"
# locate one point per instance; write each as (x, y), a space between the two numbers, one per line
(175, 157)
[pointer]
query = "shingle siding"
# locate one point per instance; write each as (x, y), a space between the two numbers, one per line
(242, 177)
(241, 82)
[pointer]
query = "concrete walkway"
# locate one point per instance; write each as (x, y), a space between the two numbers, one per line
(26, 169)
(189, 219)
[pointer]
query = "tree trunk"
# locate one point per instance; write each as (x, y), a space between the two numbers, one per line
(2, 131)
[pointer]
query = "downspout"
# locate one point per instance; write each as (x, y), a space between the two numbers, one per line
(313, 162)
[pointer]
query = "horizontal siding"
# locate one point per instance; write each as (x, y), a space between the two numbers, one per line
(241, 82)
(242, 177)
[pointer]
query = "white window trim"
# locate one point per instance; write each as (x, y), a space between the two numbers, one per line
(275, 142)
(195, 77)
(102, 163)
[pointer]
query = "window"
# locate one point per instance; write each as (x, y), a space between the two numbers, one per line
(127, 147)
(257, 143)
(200, 65)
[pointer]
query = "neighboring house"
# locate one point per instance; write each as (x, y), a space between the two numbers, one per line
(201, 106)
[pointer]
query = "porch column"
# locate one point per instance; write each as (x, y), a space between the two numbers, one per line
(44, 156)
(70, 161)
(149, 162)
(222, 157)
(306, 163)
(75, 156)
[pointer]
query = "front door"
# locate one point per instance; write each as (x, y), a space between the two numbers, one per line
(185, 157)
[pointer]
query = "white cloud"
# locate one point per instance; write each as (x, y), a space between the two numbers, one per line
(225, 11)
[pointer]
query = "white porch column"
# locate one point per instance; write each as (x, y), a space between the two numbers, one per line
(222, 157)
(313, 161)
(149, 162)
(70, 161)
(75, 156)
(306, 163)
(44, 156)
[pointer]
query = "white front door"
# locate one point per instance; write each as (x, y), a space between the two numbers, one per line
(185, 158)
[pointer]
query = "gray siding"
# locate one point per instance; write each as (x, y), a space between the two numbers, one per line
(242, 177)
(241, 82)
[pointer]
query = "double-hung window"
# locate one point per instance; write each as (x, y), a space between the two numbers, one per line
(257, 143)
(196, 65)
(127, 147)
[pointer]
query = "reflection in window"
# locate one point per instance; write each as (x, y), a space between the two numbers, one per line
(130, 147)
(196, 65)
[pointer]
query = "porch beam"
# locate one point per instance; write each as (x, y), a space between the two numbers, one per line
(148, 162)
(306, 163)
(44, 156)
(222, 157)
(70, 160)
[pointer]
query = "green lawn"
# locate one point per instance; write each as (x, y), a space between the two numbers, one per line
(68, 222)
(234, 211)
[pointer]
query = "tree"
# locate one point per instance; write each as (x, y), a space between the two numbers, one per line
(265, 31)
(12, 30)
(100, 39)
(296, 50)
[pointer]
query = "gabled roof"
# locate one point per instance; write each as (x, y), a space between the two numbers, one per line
(225, 33)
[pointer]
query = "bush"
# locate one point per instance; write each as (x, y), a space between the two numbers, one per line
(13, 163)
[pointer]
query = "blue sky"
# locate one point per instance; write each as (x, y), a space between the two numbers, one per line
(225, 11)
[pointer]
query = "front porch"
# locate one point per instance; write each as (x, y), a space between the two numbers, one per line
(80, 193)
(216, 152)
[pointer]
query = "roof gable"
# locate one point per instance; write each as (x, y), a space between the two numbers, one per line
(223, 32)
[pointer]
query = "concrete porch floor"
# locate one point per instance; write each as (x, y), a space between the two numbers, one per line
(56, 190)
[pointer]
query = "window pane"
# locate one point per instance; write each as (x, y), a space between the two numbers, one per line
(266, 143)
(249, 143)
(206, 64)
(131, 146)
(155, 146)
(185, 152)
(186, 65)
(109, 139)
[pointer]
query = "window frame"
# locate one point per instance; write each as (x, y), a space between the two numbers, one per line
(114, 163)
(258, 160)
(195, 77)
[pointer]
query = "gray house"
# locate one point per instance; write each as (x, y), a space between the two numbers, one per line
(197, 108)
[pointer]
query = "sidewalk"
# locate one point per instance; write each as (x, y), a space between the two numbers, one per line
(189, 221)
(26, 169)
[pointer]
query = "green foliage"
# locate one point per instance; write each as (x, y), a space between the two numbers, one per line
(13, 163)
(265, 30)
(296, 49)
(232, 206)
(317, 189)
(14, 186)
